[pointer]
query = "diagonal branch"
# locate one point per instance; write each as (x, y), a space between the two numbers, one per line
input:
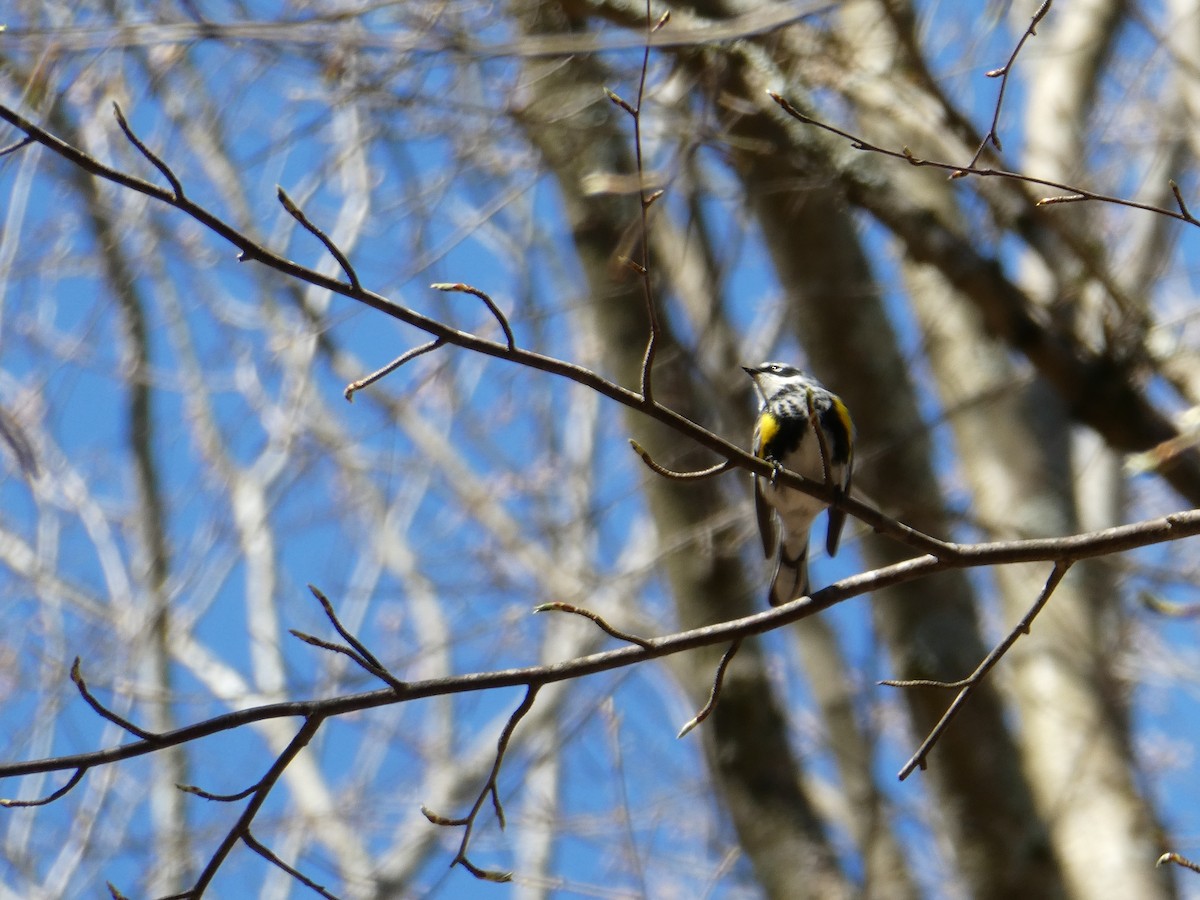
(596, 618)
(1061, 551)
(249, 249)
(1071, 192)
(993, 136)
(296, 213)
(491, 790)
(357, 651)
(103, 711)
(166, 170)
(968, 685)
(715, 694)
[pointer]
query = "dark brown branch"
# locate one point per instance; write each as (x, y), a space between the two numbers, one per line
(262, 850)
(647, 385)
(241, 827)
(993, 136)
(976, 678)
(491, 790)
(1173, 527)
(678, 476)
(1183, 209)
(491, 305)
(594, 617)
(296, 213)
(642, 267)
(364, 657)
(14, 147)
(218, 798)
(1071, 193)
(166, 170)
(49, 798)
(355, 386)
(102, 711)
(715, 694)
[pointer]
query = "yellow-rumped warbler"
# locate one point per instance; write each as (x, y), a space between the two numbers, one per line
(792, 403)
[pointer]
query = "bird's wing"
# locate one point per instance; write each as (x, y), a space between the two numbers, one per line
(838, 416)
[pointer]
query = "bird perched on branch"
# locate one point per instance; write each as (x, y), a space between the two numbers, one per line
(806, 429)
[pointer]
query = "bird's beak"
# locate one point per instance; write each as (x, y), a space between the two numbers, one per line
(749, 370)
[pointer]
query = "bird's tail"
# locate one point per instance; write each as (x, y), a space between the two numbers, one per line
(791, 574)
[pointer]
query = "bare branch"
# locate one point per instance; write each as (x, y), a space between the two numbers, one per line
(444, 334)
(594, 617)
(642, 267)
(1073, 548)
(250, 841)
(491, 305)
(715, 694)
(1073, 193)
(678, 476)
(1183, 209)
(296, 213)
(360, 654)
(218, 798)
(103, 711)
(355, 386)
(489, 790)
(166, 170)
(241, 828)
(14, 147)
(993, 136)
(969, 685)
(647, 389)
(50, 798)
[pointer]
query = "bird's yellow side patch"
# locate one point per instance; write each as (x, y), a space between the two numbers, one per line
(768, 427)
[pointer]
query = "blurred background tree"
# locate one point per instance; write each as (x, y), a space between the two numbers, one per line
(179, 460)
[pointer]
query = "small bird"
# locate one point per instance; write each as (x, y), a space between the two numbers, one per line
(792, 402)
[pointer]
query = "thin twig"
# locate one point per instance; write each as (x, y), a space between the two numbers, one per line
(491, 790)
(355, 386)
(918, 759)
(678, 476)
(341, 629)
(102, 711)
(166, 170)
(50, 798)
(1177, 860)
(993, 136)
(217, 798)
(361, 654)
(1073, 194)
(1183, 209)
(642, 267)
(262, 850)
(461, 288)
(13, 148)
(594, 617)
(242, 826)
(925, 683)
(715, 694)
(296, 213)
